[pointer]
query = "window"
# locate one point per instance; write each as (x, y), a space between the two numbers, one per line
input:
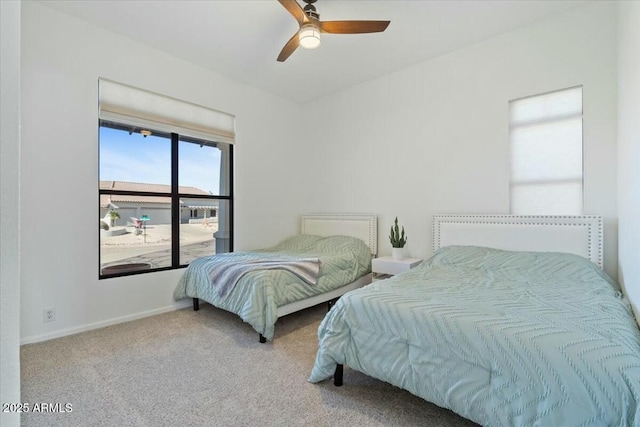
(157, 174)
(546, 153)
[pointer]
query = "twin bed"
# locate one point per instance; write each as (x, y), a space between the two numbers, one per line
(497, 328)
(511, 322)
(340, 244)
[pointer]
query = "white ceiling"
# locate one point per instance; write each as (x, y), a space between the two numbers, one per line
(242, 39)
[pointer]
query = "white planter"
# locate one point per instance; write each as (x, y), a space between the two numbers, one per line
(397, 253)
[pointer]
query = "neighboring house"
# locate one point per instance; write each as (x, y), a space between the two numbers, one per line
(158, 208)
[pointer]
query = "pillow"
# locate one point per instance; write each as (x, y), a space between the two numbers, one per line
(553, 265)
(299, 243)
(340, 245)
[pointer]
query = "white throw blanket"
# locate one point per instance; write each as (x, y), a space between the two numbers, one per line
(225, 276)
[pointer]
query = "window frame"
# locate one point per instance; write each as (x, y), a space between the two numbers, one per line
(175, 197)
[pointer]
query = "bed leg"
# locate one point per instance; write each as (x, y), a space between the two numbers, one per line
(337, 376)
(196, 304)
(262, 339)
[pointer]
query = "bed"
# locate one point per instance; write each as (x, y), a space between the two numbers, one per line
(340, 245)
(511, 322)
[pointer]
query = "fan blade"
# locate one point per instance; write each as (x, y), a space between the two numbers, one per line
(353, 27)
(289, 48)
(296, 10)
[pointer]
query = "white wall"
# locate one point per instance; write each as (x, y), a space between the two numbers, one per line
(629, 150)
(62, 58)
(10, 208)
(434, 138)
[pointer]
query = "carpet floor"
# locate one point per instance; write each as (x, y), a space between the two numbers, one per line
(206, 368)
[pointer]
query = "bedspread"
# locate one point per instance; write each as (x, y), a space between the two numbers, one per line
(501, 338)
(258, 294)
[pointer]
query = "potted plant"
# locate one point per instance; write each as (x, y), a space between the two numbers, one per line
(398, 240)
(114, 216)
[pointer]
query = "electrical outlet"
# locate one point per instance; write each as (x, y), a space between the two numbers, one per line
(49, 314)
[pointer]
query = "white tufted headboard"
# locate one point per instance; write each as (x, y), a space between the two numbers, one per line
(581, 235)
(362, 226)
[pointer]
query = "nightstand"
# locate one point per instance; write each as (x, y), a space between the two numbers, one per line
(386, 266)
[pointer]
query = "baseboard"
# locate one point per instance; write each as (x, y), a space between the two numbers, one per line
(71, 331)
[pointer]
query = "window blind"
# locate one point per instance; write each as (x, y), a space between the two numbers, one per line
(546, 153)
(137, 107)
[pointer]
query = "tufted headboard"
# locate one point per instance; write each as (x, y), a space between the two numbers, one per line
(581, 235)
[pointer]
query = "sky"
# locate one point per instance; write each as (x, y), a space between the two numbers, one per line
(134, 158)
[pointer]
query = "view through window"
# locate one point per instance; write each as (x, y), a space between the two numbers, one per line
(165, 199)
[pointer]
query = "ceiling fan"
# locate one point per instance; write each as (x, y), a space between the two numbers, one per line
(308, 36)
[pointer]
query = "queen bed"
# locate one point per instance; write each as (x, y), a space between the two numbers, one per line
(331, 256)
(511, 322)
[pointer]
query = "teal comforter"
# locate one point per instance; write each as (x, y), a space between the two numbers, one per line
(258, 294)
(501, 338)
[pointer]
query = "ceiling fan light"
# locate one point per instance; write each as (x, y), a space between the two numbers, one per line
(309, 36)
